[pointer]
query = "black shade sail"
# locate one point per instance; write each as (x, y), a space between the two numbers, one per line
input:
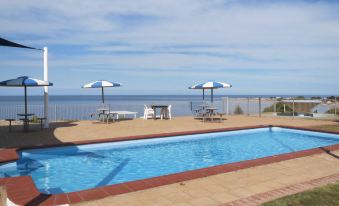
(4, 42)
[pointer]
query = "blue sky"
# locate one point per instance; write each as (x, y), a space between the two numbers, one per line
(164, 46)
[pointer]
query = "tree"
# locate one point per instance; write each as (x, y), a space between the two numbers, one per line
(299, 98)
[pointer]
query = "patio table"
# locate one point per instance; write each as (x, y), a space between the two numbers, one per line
(104, 112)
(154, 107)
(25, 120)
(25, 115)
(210, 112)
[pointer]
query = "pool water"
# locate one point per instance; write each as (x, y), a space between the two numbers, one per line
(73, 168)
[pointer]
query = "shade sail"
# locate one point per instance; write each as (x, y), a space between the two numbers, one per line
(5, 42)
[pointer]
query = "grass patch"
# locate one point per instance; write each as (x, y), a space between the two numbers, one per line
(326, 195)
(334, 128)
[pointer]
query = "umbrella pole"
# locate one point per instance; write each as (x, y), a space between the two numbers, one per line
(102, 95)
(212, 96)
(203, 96)
(25, 101)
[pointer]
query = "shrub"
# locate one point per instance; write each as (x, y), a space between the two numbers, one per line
(331, 111)
(299, 98)
(34, 119)
(238, 110)
(315, 97)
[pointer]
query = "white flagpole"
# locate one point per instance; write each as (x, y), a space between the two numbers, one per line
(46, 125)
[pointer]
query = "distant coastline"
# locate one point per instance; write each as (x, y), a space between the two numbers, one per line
(191, 95)
(15, 99)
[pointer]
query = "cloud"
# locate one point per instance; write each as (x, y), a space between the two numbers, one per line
(257, 40)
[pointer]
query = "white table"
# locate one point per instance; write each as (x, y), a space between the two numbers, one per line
(123, 113)
(161, 107)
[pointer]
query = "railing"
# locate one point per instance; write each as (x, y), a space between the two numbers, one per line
(288, 107)
(252, 106)
(59, 112)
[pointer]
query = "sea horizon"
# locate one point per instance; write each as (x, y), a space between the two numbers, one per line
(206, 94)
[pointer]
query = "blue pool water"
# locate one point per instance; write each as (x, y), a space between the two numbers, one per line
(74, 168)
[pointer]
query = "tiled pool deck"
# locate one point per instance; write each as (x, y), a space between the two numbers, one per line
(212, 186)
(250, 186)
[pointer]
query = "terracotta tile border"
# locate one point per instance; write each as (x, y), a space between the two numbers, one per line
(282, 192)
(22, 191)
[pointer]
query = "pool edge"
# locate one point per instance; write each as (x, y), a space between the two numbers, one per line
(14, 186)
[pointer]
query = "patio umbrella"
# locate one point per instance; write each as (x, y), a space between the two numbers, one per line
(25, 82)
(210, 85)
(101, 84)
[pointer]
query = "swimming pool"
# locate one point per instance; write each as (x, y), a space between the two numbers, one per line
(74, 168)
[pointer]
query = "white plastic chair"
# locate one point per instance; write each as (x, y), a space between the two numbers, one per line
(166, 112)
(148, 112)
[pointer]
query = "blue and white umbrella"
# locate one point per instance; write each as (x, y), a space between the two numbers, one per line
(101, 84)
(25, 82)
(210, 85)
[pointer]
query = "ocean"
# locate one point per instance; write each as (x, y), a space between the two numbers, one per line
(123, 99)
(71, 107)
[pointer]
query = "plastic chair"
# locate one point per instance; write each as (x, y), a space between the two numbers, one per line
(166, 112)
(148, 112)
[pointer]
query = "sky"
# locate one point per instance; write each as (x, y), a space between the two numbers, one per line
(165, 46)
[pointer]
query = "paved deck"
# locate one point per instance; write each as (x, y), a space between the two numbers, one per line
(228, 187)
(91, 130)
(211, 190)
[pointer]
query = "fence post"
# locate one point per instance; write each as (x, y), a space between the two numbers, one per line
(227, 105)
(191, 105)
(293, 108)
(335, 107)
(275, 105)
(248, 106)
(55, 112)
(260, 106)
(223, 105)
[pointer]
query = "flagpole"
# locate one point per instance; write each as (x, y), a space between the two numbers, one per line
(46, 125)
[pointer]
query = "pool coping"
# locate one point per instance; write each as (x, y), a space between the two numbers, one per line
(22, 190)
